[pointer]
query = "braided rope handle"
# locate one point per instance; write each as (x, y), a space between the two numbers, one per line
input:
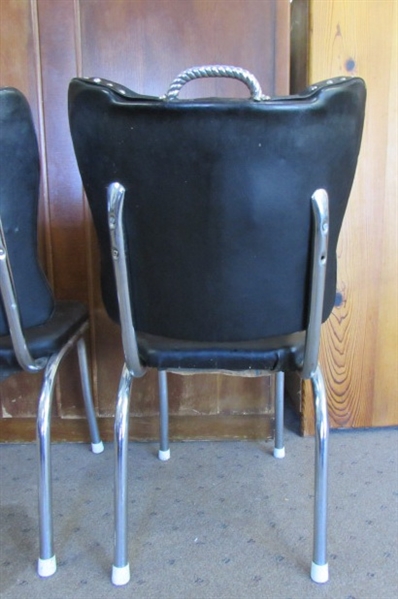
(246, 77)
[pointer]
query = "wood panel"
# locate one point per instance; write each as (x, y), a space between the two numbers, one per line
(67, 219)
(359, 350)
(143, 44)
(146, 428)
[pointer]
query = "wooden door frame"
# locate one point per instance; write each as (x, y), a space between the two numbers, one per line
(299, 44)
(299, 68)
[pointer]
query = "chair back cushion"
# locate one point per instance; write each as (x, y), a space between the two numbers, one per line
(19, 194)
(218, 201)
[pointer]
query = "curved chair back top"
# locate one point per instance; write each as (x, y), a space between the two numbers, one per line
(19, 194)
(217, 212)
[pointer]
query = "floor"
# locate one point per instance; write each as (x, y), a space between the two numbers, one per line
(220, 520)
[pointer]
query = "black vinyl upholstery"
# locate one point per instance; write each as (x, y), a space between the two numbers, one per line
(271, 354)
(47, 324)
(48, 338)
(19, 194)
(217, 212)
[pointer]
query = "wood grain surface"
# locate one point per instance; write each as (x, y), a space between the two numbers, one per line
(359, 352)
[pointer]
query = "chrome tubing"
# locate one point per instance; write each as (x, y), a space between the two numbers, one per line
(319, 568)
(121, 568)
(47, 561)
(96, 444)
(10, 303)
(216, 70)
(279, 447)
(320, 208)
(116, 193)
(164, 446)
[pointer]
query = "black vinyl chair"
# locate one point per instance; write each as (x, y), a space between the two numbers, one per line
(36, 332)
(218, 222)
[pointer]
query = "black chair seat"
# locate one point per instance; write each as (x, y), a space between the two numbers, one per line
(48, 338)
(271, 354)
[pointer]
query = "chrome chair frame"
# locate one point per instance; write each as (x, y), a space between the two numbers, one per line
(47, 560)
(133, 368)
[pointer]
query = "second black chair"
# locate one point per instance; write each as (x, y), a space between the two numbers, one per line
(218, 222)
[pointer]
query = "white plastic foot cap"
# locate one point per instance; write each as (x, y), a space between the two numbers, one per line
(120, 576)
(319, 574)
(279, 452)
(46, 567)
(97, 447)
(164, 455)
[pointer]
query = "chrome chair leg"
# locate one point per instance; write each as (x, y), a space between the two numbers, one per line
(97, 445)
(164, 450)
(47, 564)
(319, 567)
(121, 567)
(279, 447)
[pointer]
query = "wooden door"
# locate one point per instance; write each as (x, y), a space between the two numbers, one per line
(142, 44)
(359, 352)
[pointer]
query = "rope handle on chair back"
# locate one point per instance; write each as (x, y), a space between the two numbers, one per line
(230, 72)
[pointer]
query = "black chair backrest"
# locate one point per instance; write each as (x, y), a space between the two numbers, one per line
(218, 201)
(19, 194)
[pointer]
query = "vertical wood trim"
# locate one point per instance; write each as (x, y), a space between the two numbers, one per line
(298, 81)
(282, 47)
(386, 348)
(78, 38)
(49, 260)
(42, 142)
(88, 228)
(299, 45)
